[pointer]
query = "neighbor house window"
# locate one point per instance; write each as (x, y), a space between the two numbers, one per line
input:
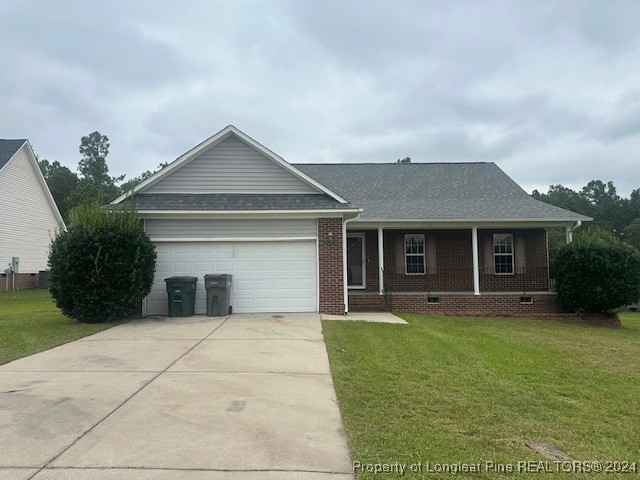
(503, 253)
(414, 254)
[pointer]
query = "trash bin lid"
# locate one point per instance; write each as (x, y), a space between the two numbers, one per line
(217, 275)
(181, 279)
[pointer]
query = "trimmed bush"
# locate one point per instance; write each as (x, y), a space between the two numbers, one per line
(102, 266)
(597, 273)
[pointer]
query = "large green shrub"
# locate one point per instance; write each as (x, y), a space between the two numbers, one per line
(597, 273)
(102, 266)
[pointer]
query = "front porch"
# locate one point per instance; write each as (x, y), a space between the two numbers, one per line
(469, 271)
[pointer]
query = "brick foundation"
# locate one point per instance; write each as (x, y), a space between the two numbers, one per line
(464, 304)
(330, 270)
(23, 281)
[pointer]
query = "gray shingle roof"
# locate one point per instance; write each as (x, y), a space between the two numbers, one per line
(8, 148)
(433, 191)
(220, 202)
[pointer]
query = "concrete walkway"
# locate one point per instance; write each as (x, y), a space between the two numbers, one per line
(373, 317)
(241, 397)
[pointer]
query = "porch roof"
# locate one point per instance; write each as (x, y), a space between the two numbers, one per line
(435, 191)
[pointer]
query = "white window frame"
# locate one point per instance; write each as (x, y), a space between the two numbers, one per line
(423, 254)
(511, 254)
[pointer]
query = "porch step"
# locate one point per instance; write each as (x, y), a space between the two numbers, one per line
(367, 303)
(367, 308)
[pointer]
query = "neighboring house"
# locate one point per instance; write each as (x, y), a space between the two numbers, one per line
(442, 237)
(29, 216)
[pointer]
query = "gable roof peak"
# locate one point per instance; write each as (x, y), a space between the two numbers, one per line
(218, 137)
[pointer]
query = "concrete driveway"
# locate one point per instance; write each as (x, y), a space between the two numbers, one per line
(246, 396)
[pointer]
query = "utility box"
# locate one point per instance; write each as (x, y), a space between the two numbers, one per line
(218, 294)
(181, 295)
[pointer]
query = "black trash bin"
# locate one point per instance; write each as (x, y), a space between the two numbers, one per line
(218, 294)
(181, 295)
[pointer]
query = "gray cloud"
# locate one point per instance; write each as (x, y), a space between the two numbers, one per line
(546, 89)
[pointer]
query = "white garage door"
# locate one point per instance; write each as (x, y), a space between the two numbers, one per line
(267, 276)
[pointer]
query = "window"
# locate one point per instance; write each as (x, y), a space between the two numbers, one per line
(503, 253)
(414, 254)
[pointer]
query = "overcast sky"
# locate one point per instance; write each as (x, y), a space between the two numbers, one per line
(549, 90)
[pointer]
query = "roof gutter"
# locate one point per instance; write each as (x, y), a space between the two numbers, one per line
(570, 230)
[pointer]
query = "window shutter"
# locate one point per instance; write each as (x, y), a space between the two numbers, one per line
(430, 245)
(400, 255)
(489, 266)
(518, 251)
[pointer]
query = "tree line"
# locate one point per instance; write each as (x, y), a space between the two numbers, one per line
(92, 184)
(599, 200)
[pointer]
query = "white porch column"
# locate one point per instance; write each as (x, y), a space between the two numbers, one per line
(476, 266)
(380, 260)
(344, 266)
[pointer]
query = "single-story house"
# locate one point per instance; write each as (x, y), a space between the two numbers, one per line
(29, 216)
(334, 238)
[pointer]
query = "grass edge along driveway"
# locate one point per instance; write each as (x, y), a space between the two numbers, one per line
(30, 323)
(467, 390)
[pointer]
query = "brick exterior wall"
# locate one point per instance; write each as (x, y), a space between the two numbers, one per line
(23, 281)
(536, 276)
(330, 270)
(454, 262)
(452, 280)
(490, 304)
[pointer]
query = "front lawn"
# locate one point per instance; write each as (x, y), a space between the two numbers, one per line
(30, 323)
(467, 390)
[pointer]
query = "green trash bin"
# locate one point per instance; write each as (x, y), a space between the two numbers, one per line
(181, 295)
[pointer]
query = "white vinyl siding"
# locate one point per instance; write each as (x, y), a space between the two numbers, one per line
(27, 221)
(211, 229)
(267, 276)
(231, 166)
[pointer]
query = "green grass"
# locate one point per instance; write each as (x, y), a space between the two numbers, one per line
(30, 323)
(452, 389)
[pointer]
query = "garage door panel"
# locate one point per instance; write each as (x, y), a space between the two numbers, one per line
(244, 266)
(162, 267)
(179, 248)
(264, 266)
(305, 284)
(264, 285)
(222, 267)
(203, 267)
(267, 276)
(242, 285)
(222, 250)
(305, 266)
(206, 248)
(162, 248)
(182, 267)
(285, 266)
(284, 284)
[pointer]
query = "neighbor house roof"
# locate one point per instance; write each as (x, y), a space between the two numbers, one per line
(8, 148)
(234, 202)
(434, 191)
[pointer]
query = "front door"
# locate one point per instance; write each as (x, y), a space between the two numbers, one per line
(356, 273)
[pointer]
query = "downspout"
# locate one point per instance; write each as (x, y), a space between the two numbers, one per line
(570, 230)
(344, 263)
